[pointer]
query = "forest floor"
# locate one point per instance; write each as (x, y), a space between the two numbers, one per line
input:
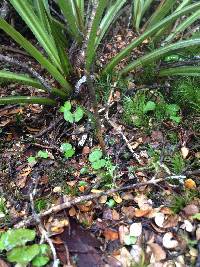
(142, 208)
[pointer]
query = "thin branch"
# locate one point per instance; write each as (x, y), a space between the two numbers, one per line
(69, 203)
(28, 69)
(41, 228)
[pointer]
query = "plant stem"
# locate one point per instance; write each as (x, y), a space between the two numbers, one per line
(93, 100)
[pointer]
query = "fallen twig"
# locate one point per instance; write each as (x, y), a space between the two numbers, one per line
(50, 127)
(41, 228)
(69, 203)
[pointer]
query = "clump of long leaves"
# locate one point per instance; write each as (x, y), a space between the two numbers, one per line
(84, 26)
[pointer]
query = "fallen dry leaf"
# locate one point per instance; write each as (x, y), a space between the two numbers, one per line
(135, 229)
(110, 235)
(117, 198)
(128, 211)
(184, 152)
(136, 252)
(3, 263)
(103, 199)
(187, 226)
(190, 184)
(72, 212)
(123, 231)
(86, 150)
(171, 221)
(125, 257)
(158, 252)
(115, 215)
(143, 202)
(159, 219)
(141, 213)
(168, 241)
(22, 176)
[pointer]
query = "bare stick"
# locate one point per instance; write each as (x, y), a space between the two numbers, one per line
(41, 228)
(34, 73)
(69, 203)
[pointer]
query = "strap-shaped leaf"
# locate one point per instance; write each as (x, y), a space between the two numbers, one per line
(10, 77)
(108, 19)
(181, 71)
(161, 11)
(69, 12)
(90, 52)
(158, 53)
(182, 26)
(80, 4)
(27, 13)
(35, 53)
(164, 23)
(27, 100)
(138, 6)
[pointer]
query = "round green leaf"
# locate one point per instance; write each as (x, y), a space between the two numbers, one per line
(43, 154)
(98, 164)
(44, 249)
(67, 107)
(95, 155)
(32, 160)
(40, 261)
(65, 147)
(130, 240)
(111, 203)
(68, 116)
(78, 114)
(16, 237)
(69, 153)
(23, 255)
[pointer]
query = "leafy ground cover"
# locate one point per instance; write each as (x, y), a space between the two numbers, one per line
(138, 204)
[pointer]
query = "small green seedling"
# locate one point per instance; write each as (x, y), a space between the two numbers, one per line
(96, 160)
(111, 203)
(67, 149)
(40, 155)
(69, 116)
(14, 242)
(129, 240)
(32, 160)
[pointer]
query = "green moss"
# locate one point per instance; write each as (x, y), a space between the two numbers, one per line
(186, 93)
(148, 108)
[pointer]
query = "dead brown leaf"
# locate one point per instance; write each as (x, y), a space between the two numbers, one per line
(171, 221)
(141, 213)
(158, 252)
(110, 234)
